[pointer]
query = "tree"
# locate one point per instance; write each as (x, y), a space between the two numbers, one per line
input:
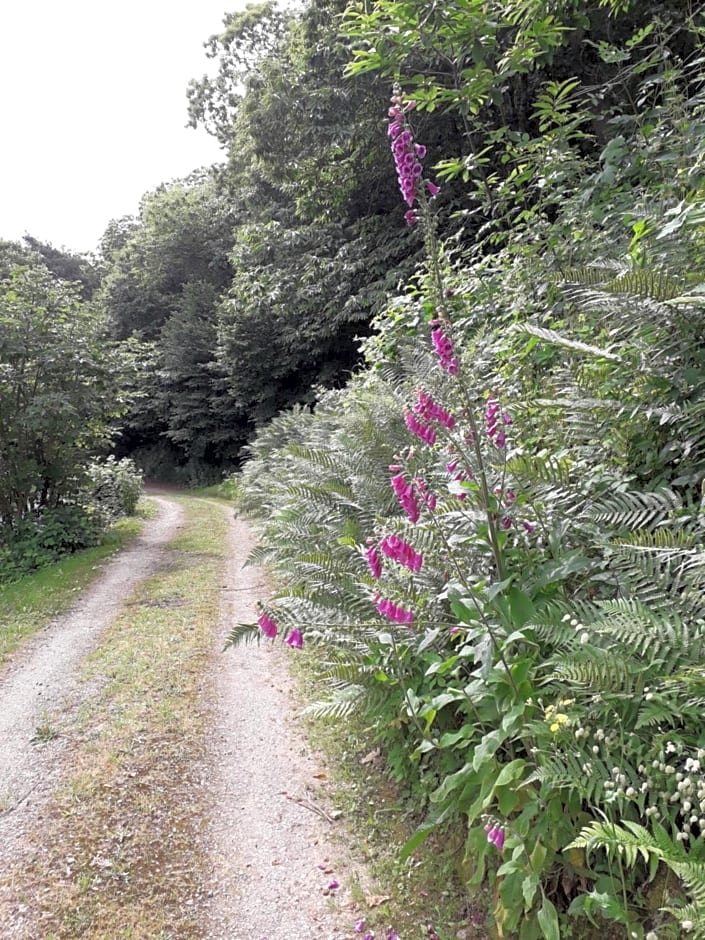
(182, 235)
(165, 273)
(67, 266)
(59, 389)
(301, 298)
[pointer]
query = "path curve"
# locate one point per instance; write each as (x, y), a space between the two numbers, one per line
(44, 677)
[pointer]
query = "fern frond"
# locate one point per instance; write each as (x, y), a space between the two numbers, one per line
(592, 276)
(630, 843)
(564, 770)
(565, 342)
(243, 633)
(634, 509)
(594, 668)
(651, 285)
(543, 468)
(341, 704)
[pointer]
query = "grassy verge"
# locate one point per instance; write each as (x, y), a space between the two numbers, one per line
(422, 897)
(120, 853)
(226, 491)
(27, 605)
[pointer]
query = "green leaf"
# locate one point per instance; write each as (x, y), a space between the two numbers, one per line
(521, 609)
(529, 888)
(420, 836)
(510, 772)
(486, 748)
(548, 920)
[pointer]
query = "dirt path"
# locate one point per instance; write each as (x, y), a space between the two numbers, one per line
(43, 678)
(271, 856)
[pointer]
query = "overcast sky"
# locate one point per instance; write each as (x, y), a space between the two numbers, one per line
(93, 109)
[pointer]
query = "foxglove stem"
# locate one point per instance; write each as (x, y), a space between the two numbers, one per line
(414, 717)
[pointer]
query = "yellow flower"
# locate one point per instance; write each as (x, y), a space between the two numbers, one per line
(559, 721)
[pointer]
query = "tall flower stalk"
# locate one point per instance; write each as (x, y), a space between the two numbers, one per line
(428, 418)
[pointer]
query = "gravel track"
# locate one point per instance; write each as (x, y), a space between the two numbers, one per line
(42, 682)
(272, 856)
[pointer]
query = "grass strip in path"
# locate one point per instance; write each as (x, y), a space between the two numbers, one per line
(120, 853)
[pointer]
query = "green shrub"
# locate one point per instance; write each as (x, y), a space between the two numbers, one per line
(114, 487)
(40, 539)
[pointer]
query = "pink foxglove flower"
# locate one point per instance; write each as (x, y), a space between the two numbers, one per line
(394, 612)
(407, 154)
(492, 417)
(406, 496)
(267, 626)
(400, 551)
(429, 410)
(444, 348)
(422, 430)
(374, 561)
(426, 495)
(295, 640)
(495, 836)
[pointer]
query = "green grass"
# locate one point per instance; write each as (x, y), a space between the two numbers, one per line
(227, 491)
(29, 604)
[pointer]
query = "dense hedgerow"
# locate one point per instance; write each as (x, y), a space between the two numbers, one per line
(493, 538)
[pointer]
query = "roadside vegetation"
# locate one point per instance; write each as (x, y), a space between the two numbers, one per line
(28, 604)
(492, 535)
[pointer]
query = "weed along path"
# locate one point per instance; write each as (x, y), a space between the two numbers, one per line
(153, 786)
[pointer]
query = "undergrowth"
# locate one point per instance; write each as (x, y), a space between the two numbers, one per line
(26, 605)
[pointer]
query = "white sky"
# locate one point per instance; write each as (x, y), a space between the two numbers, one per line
(93, 109)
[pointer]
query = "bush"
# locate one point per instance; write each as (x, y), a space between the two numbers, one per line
(230, 488)
(40, 539)
(114, 487)
(112, 490)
